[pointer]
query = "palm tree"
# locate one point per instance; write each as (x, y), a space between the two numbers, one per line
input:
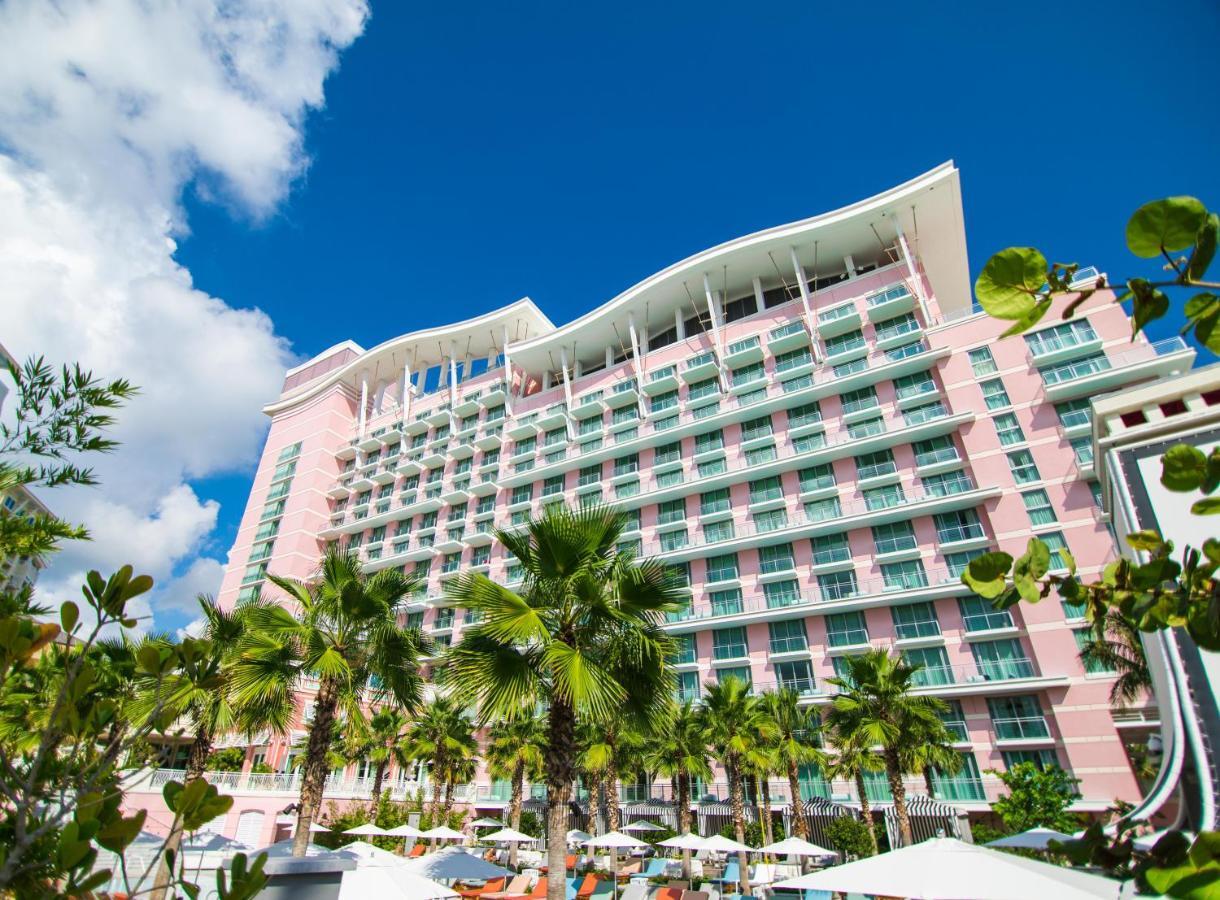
(515, 749)
(734, 722)
(342, 629)
(384, 743)
(850, 762)
(198, 692)
(612, 746)
(442, 736)
(1114, 644)
(877, 707)
(678, 751)
(795, 745)
(930, 753)
(583, 635)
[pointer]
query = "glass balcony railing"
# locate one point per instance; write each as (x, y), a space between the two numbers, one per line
(793, 327)
(895, 292)
(1019, 728)
(1080, 368)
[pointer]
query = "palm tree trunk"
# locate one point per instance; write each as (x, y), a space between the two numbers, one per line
(683, 798)
(893, 769)
(597, 800)
(928, 783)
(799, 827)
(866, 811)
(196, 763)
(448, 807)
(768, 833)
(737, 802)
(614, 819)
(560, 773)
(514, 808)
(378, 779)
(313, 781)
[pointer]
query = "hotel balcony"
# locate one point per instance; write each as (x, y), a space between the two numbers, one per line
(1094, 375)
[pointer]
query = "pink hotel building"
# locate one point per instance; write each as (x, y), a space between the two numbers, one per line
(812, 422)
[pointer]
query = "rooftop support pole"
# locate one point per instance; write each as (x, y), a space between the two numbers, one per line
(567, 381)
(508, 377)
(915, 280)
(637, 362)
(717, 337)
(452, 376)
(408, 390)
(806, 302)
(364, 402)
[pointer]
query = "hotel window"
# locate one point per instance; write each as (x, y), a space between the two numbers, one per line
(667, 453)
(904, 576)
(1001, 660)
(729, 643)
(1095, 489)
(523, 493)
(486, 505)
(673, 540)
(709, 441)
(687, 690)
(874, 465)
(444, 618)
(589, 475)
(553, 485)
(1083, 448)
(853, 340)
(1060, 337)
(627, 465)
(859, 400)
(555, 436)
(956, 562)
(480, 556)
(788, 636)
(714, 532)
(885, 497)
(627, 489)
(775, 559)
(1057, 545)
(726, 603)
(284, 471)
(846, 629)
(740, 673)
(1075, 413)
(799, 383)
(830, 548)
(589, 426)
(273, 509)
(427, 520)
(1043, 758)
(490, 458)
(713, 502)
(756, 428)
(906, 350)
(842, 669)
(1008, 429)
(792, 359)
(994, 394)
(960, 525)
(1017, 718)
(765, 489)
(1074, 611)
(893, 537)
(915, 620)
(664, 424)
(867, 428)
(685, 647)
(671, 511)
(587, 500)
(955, 720)
(290, 452)
(625, 414)
(808, 442)
(935, 450)
(837, 585)
(823, 510)
(722, 568)
(770, 520)
(795, 675)
(278, 490)
(760, 455)
(815, 478)
(1081, 368)
(1021, 462)
(710, 467)
(982, 362)
(664, 401)
(981, 615)
(422, 568)
(1038, 506)
(780, 594)
(525, 445)
(669, 479)
(945, 484)
(703, 389)
(914, 385)
(629, 434)
(806, 414)
(933, 662)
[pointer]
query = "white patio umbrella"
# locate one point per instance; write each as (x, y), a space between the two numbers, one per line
(718, 843)
(443, 832)
(369, 855)
(614, 841)
(315, 828)
(686, 843)
(509, 836)
(576, 836)
(387, 882)
(1032, 839)
(486, 823)
(368, 828)
(795, 846)
(404, 831)
(449, 863)
(643, 825)
(949, 869)
(283, 849)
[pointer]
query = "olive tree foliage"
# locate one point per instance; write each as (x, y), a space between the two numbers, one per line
(1160, 589)
(75, 704)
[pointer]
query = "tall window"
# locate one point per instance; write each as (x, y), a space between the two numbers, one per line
(894, 536)
(788, 636)
(830, 548)
(815, 478)
(722, 568)
(982, 362)
(1038, 506)
(837, 585)
(671, 511)
(714, 502)
(1021, 462)
(915, 620)
(994, 394)
(846, 629)
(1008, 429)
(729, 643)
(1058, 546)
(775, 559)
(904, 576)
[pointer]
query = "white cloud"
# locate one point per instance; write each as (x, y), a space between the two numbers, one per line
(109, 110)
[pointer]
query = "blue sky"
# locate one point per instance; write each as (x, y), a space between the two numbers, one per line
(469, 155)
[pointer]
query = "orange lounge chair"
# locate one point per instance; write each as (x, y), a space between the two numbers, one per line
(569, 861)
(418, 850)
(518, 887)
(632, 868)
(668, 894)
(539, 891)
(586, 887)
(496, 884)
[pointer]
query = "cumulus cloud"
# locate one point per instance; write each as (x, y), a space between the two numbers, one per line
(109, 111)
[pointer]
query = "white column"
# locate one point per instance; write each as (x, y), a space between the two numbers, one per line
(364, 402)
(567, 382)
(759, 300)
(803, 286)
(851, 266)
(636, 359)
(408, 391)
(508, 377)
(452, 375)
(680, 324)
(915, 281)
(609, 356)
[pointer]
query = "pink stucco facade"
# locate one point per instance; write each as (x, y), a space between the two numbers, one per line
(821, 462)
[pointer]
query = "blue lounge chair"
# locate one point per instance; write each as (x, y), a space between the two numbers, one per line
(604, 889)
(573, 884)
(731, 874)
(654, 869)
